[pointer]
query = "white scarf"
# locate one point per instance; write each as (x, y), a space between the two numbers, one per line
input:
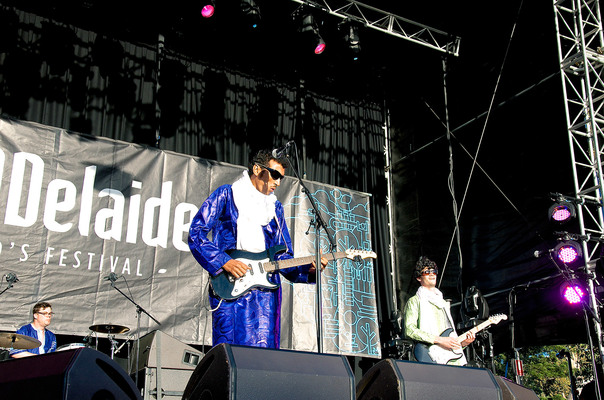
(255, 211)
(435, 297)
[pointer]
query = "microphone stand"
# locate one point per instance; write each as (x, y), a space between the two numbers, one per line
(10, 285)
(318, 223)
(139, 310)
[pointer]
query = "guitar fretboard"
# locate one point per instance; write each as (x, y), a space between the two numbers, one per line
(271, 266)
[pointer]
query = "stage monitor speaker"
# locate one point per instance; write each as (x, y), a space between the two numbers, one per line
(392, 379)
(160, 350)
(513, 391)
(238, 372)
(82, 374)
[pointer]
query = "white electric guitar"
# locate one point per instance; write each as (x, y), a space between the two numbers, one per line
(436, 354)
(228, 287)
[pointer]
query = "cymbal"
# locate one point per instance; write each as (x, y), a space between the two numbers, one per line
(109, 328)
(16, 341)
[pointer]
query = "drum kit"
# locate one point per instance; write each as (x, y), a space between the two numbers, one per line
(17, 341)
(109, 329)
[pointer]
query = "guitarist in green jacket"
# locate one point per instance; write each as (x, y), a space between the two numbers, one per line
(429, 323)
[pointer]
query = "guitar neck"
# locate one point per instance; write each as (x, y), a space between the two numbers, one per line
(271, 266)
(476, 329)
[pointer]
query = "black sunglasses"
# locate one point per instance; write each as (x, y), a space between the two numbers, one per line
(274, 173)
(430, 271)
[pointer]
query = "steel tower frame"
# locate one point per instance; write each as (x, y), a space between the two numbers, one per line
(580, 51)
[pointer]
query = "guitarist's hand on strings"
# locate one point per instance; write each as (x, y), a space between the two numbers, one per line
(470, 337)
(452, 343)
(447, 342)
(235, 268)
(313, 267)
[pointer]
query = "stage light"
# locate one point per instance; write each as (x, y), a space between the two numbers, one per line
(572, 293)
(569, 252)
(310, 30)
(207, 9)
(350, 32)
(251, 12)
(562, 212)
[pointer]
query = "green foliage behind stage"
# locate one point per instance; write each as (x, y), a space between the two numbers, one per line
(546, 369)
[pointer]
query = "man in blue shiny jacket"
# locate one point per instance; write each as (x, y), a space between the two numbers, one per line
(246, 216)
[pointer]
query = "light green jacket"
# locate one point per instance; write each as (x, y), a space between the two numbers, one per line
(428, 331)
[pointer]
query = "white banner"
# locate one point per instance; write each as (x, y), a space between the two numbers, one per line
(77, 208)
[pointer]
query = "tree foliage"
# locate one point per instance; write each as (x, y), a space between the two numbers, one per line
(546, 369)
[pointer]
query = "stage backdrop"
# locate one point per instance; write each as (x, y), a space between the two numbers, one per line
(76, 208)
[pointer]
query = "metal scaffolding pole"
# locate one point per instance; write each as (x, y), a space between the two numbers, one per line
(580, 49)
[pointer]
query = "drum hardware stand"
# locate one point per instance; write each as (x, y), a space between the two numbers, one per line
(139, 310)
(113, 344)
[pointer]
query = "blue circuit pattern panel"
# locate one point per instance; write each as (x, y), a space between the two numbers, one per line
(350, 323)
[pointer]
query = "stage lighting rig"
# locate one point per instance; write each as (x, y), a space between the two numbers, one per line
(564, 208)
(309, 30)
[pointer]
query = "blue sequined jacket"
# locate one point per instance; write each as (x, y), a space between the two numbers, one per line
(254, 318)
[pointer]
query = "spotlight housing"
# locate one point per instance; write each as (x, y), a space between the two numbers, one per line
(562, 212)
(350, 34)
(569, 252)
(310, 32)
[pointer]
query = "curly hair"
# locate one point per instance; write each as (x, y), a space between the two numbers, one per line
(264, 157)
(423, 263)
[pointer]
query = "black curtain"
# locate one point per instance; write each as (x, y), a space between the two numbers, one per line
(67, 70)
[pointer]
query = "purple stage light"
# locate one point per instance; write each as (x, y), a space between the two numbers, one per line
(561, 213)
(573, 295)
(567, 253)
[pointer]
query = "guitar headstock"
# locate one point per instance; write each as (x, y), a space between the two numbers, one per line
(358, 255)
(497, 318)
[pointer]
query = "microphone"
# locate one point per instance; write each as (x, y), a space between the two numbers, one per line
(281, 151)
(11, 278)
(111, 277)
(538, 253)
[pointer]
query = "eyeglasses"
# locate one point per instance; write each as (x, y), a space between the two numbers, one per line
(430, 271)
(274, 173)
(46, 314)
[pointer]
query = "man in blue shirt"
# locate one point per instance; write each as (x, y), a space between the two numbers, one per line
(42, 315)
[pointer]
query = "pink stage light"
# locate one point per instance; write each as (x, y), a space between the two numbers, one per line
(207, 11)
(573, 295)
(320, 47)
(568, 253)
(561, 213)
